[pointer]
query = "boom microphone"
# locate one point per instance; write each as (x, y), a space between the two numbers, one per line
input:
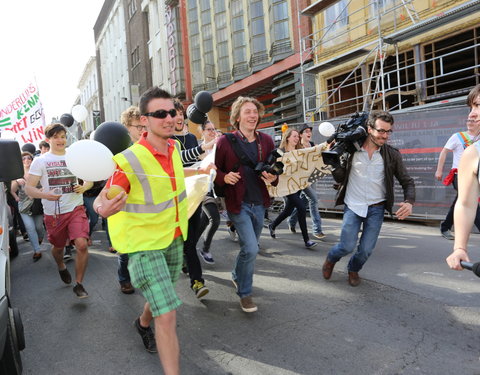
(474, 267)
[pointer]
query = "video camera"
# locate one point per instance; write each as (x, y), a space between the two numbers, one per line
(271, 165)
(348, 138)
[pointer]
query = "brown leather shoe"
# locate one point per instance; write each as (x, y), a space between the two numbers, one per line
(127, 288)
(327, 269)
(353, 278)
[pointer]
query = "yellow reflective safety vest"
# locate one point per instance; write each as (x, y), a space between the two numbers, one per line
(147, 222)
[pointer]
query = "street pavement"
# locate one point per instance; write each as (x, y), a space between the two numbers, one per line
(410, 314)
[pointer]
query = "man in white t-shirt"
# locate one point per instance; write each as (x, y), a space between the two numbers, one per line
(457, 143)
(65, 217)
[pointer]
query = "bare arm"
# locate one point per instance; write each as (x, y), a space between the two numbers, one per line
(441, 162)
(80, 189)
(34, 192)
(466, 206)
(193, 171)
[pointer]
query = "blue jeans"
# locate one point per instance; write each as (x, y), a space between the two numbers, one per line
(34, 227)
(349, 236)
(91, 214)
(123, 274)
(311, 195)
(248, 224)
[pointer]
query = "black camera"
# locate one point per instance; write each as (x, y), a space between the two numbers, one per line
(348, 138)
(271, 165)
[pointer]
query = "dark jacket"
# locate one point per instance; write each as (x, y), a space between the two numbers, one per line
(226, 160)
(393, 165)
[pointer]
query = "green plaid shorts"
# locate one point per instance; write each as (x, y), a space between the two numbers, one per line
(155, 273)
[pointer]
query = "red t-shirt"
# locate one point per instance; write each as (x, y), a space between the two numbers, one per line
(120, 178)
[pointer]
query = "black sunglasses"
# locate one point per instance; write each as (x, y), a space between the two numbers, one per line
(161, 113)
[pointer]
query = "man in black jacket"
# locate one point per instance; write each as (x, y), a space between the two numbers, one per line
(366, 193)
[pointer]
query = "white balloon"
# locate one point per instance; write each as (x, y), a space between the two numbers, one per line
(90, 160)
(8, 134)
(79, 113)
(326, 129)
(92, 134)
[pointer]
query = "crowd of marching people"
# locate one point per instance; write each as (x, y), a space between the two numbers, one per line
(147, 220)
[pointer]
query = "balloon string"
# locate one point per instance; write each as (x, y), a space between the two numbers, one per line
(142, 174)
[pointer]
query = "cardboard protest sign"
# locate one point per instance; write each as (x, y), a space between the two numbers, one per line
(23, 117)
(301, 169)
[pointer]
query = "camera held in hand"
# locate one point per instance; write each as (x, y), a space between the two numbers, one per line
(348, 138)
(271, 165)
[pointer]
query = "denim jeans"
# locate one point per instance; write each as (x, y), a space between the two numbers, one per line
(349, 236)
(248, 224)
(123, 274)
(209, 222)
(311, 195)
(91, 214)
(34, 227)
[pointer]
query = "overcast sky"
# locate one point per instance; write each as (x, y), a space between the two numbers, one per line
(49, 41)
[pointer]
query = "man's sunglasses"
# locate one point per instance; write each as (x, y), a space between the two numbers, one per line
(161, 113)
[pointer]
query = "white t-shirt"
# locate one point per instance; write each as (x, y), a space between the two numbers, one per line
(366, 182)
(455, 144)
(54, 174)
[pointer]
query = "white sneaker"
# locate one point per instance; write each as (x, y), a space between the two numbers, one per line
(233, 234)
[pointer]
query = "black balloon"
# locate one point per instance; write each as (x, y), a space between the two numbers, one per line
(113, 135)
(66, 119)
(204, 101)
(196, 116)
(29, 147)
(11, 166)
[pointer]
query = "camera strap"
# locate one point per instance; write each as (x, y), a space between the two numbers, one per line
(237, 149)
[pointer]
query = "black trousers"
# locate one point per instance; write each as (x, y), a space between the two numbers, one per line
(190, 247)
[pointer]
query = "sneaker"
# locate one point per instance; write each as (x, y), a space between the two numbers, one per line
(207, 257)
(199, 289)
(37, 256)
(319, 235)
(233, 234)
(65, 276)
(126, 287)
(291, 228)
(68, 253)
(247, 304)
(147, 336)
(271, 230)
(447, 234)
(310, 244)
(80, 291)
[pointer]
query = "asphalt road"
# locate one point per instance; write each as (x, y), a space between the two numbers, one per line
(410, 315)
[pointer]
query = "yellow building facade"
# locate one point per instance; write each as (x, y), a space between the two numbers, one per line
(391, 54)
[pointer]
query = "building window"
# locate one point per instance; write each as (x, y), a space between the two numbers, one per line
(279, 27)
(132, 8)
(135, 57)
(452, 65)
(238, 30)
(257, 28)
